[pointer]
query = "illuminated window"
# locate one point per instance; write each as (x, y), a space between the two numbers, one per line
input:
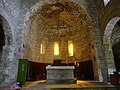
(70, 48)
(56, 48)
(106, 2)
(41, 49)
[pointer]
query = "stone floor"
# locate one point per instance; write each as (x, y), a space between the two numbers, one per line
(80, 85)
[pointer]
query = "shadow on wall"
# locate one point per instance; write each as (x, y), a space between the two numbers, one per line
(116, 53)
(2, 40)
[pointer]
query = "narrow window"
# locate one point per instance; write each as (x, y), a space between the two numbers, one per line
(70, 48)
(41, 49)
(56, 48)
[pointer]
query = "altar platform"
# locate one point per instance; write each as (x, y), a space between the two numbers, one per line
(60, 75)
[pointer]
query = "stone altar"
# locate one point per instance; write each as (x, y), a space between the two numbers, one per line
(60, 74)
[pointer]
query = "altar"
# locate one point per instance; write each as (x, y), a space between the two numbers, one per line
(60, 74)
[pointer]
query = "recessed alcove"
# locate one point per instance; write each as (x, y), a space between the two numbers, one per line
(62, 32)
(61, 24)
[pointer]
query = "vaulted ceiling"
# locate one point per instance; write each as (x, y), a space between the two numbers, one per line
(61, 23)
(55, 22)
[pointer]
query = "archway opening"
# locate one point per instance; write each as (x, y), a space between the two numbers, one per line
(116, 53)
(6, 51)
(115, 41)
(67, 25)
(111, 37)
(2, 40)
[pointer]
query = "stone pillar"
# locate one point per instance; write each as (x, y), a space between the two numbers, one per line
(101, 60)
(8, 66)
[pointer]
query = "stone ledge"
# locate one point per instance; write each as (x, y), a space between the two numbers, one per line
(60, 67)
(61, 81)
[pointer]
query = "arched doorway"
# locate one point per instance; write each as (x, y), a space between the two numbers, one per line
(116, 54)
(110, 38)
(115, 41)
(63, 22)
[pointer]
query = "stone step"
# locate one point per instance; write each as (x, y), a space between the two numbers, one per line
(82, 88)
(80, 85)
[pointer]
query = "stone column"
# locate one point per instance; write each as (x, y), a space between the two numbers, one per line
(101, 60)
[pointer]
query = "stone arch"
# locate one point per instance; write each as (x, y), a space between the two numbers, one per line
(36, 9)
(4, 14)
(107, 43)
(109, 15)
(7, 49)
(7, 31)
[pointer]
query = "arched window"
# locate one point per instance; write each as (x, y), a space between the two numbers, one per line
(56, 48)
(106, 2)
(42, 48)
(70, 48)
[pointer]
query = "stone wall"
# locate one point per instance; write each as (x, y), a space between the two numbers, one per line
(80, 42)
(108, 14)
(9, 11)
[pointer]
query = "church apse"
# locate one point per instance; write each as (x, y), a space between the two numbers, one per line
(61, 25)
(59, 31)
